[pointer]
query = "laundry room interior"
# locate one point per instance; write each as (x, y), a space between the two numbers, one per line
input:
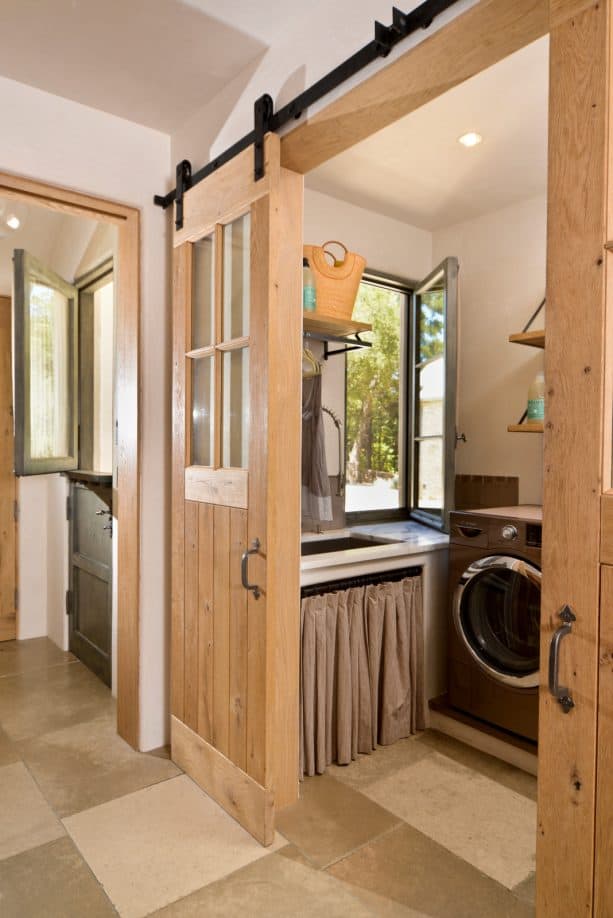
(458, 187)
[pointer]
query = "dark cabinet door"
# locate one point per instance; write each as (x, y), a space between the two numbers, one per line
(90, 597)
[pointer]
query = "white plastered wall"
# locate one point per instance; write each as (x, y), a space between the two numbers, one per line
(61, 142)
(502, 280)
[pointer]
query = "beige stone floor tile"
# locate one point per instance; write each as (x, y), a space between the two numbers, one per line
(526, 891)
(45, 700)
(411, 869)
(27, 819)
(82, 766)
(384, 762)
(8, 750)
(51, 881)
(159, 844)
(277, 887)
(25, 656)
(480, 820)
(331, 819)
(488, 765)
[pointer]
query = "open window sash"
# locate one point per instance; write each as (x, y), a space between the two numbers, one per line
(46, 335)
(433, 424)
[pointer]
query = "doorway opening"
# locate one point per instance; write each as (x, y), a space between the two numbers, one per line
(69, 275)
(409, 199)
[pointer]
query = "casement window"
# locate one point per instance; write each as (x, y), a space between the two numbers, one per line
(401, 400)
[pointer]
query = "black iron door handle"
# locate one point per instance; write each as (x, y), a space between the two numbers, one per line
(560, 692)
(253, 587)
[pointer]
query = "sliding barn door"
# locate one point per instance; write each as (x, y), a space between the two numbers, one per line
(575, 725)
(236, 496)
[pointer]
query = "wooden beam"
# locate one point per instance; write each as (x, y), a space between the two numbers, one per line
(475, 40)
(242, 797)
(127, 351)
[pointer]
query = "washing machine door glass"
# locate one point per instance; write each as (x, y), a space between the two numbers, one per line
(497, 614)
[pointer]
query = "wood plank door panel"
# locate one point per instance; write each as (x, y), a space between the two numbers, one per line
(236, 446)
(8, 483)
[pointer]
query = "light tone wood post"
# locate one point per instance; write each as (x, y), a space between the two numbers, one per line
(573, 453)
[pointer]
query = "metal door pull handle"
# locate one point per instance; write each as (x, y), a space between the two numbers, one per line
(253, 587)
(560, 692)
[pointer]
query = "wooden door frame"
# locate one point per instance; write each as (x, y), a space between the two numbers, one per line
(577, 437)
(127, 370)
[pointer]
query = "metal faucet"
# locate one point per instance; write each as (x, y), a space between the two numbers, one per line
(340, 489)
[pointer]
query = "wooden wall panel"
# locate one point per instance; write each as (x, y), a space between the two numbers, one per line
(191, 688)
(221, 630)
(237, 743)
(205, 630)
(260, 690)
(477, 39)
(8, 482)
(182, 280)
(573, 456)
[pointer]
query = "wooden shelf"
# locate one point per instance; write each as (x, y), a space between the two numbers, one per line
(327, 325)
(526, 427)
(534, 338)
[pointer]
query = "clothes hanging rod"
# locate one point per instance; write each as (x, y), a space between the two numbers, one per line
(386, 38)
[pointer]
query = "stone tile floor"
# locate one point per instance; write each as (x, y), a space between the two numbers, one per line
(428, 827)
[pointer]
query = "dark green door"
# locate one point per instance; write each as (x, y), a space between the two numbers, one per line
(90, 596)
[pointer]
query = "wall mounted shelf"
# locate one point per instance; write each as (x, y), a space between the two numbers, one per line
(342, 331)
(526, 427)
(534, 338)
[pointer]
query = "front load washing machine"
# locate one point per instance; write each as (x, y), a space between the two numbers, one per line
(494, 616)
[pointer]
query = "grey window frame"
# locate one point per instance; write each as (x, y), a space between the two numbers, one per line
(28, 269)
(448, 270)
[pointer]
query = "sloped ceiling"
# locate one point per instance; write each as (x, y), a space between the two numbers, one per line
(416, 171)
(154, 62)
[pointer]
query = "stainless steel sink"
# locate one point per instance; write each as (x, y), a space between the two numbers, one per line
(319, 546)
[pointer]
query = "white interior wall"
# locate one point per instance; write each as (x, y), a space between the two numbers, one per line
(388, 246)
(54, 140)
(502, 280)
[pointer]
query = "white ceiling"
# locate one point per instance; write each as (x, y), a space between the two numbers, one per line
(154, 62)
(416, 171)
(57, 239)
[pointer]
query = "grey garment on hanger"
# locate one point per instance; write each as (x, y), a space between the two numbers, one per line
(316, 495)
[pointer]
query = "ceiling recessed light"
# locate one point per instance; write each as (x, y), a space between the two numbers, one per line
(13, 221)
(472, 139)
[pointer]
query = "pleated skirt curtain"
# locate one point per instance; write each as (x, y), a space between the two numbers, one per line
(361, 671)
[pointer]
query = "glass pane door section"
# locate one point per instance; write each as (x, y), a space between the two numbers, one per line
(203, 292)
(219, 353)
(236, 278)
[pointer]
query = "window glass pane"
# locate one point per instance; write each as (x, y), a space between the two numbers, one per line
(236, 277)
(375, 458)
(50, 366)
(203, 292)
(202, 411)
(430, 474)
(235, 427)
(431, 398)
(431, 323)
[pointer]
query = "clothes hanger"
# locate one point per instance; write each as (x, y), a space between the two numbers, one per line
(314, 369)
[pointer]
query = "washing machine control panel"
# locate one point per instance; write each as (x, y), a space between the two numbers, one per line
(509, 532)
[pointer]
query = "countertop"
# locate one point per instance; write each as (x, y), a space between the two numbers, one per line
(410, 538)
